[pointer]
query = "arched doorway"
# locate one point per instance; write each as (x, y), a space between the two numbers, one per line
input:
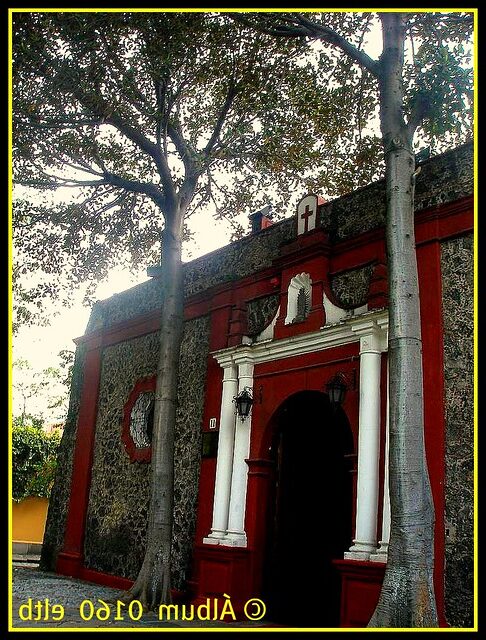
(310, 513)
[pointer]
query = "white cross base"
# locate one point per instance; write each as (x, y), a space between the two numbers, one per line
(307, 213)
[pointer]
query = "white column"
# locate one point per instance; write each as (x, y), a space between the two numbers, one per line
(236, 522)
(371, 346)
(381, 554)
(224, 463)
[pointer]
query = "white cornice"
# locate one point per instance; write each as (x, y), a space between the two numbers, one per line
(342, 333)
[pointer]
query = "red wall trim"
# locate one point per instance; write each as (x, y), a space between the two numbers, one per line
(117, 582)
(451, 219)
(71, 558)
(106, 579)
(430, 281)
(132, 328)
(361, 586)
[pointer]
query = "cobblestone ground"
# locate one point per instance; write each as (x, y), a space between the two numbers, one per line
(32, 586)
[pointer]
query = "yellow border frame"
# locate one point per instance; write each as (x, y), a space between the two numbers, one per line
(474, 11)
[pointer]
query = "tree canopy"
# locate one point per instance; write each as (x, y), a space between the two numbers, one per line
(437, 70)
(131, 108)
(106, 101)
(104, 104)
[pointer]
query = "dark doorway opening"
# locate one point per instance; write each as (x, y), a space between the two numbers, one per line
(311, 512)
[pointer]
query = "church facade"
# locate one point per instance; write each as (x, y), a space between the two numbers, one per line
(289, 503)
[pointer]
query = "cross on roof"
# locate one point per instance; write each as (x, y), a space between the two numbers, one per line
(307, 213)
(305, 216)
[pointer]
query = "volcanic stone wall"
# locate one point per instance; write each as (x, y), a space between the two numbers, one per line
(457, 302)
(119, 495)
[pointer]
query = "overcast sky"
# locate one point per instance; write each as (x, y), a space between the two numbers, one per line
(40, 345)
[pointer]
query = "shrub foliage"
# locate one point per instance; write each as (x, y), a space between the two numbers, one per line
(33, 462)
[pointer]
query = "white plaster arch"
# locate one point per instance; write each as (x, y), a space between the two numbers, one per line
(336, 314)
(268, 332)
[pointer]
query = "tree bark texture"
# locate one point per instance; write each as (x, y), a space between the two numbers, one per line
(153, 584)
(407, 597)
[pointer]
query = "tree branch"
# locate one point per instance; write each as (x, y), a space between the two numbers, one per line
(322, 32)
(152, 149)
(297, 25)
(56, 183)
(186, 152)
(259, 25)
(56, 124)
(109, 116)
(133, 134)
(230, 96)
(115, 60)
(147, 189)
(82, 166)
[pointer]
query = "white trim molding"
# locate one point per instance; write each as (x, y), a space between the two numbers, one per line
(331, 335)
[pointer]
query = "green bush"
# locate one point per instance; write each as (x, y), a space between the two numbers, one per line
(33, 462)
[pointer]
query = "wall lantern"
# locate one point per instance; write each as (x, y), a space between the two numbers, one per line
(336, 389)
(244, 402)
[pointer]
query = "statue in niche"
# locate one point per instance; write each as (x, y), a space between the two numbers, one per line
(302, 305)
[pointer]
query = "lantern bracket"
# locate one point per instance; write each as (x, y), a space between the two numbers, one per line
(243, 403)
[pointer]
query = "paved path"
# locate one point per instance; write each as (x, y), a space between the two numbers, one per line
(32, 587)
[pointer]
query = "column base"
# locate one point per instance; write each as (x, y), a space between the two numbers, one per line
(360, 551)
(361, 586)
(228, 540)
(381, 554)
(223, 570)
(215, 536)
(234, 539)
(357, 555)
(379, 557)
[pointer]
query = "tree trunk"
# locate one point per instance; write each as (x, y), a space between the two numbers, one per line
(407, 597)
(153, 585)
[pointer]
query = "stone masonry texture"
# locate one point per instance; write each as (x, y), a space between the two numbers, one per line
(457, 301)
(119, 496)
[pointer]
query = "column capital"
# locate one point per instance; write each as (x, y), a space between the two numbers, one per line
(383, 323)
(372, 334)
(244, 356)
(229, 372)
(241, 354)
(224, 359)
(245, 374)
